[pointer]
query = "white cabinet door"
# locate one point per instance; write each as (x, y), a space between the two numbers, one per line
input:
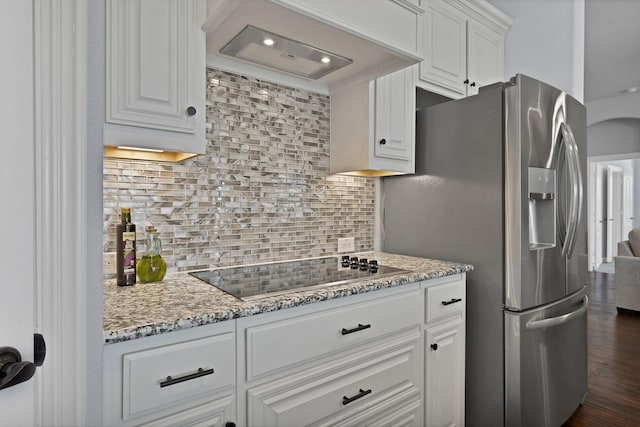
(444, 378)
(149, 79)
(373, 126)
(395, 115)
(444, 47)
(463, 47)
(155, 76)
(485, 60)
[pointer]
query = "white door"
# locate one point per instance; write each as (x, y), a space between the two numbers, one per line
(614, 208)
(17, 215)
(599, 214)
(627, 203)
(618, 212)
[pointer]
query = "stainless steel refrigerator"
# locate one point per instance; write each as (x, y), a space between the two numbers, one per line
(500, 184)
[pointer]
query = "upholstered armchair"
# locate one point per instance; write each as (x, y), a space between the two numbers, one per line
(627, 276)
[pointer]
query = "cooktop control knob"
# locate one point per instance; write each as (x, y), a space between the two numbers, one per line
(373, 266)
(346, 260)
(354, 262)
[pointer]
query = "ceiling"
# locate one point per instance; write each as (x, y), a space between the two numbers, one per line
(612, 47)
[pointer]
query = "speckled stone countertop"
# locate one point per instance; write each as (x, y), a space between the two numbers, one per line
(181, 301)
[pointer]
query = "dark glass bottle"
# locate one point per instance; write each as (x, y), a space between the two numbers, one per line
(126, 250)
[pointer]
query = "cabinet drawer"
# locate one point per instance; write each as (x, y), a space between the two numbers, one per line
(445, 300)
(279, 344)
(360, 391)
(175, 374)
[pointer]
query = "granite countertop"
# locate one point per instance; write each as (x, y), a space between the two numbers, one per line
(181, 301)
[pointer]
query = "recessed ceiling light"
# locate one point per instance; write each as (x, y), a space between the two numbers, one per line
(325, 59)
(632, 89)
(267, 42)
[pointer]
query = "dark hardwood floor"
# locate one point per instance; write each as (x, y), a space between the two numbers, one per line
(613, 396)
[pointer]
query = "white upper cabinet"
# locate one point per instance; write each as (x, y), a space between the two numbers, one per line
(155, 77)
(485, 56)
(394, 124)
(445, 47)
(463, 46)
(373, 126)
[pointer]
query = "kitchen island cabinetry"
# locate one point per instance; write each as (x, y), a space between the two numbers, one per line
(155, 75)
(463, 47)
(373, 126)
(445, 354)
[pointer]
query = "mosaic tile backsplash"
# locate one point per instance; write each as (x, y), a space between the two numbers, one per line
(262, 191)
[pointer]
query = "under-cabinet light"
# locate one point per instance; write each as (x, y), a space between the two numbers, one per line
(152, 150)
(133, 153)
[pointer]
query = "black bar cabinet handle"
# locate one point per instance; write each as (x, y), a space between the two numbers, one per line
(171, 381)
(346, 400)
(451, 301)
(360, 327)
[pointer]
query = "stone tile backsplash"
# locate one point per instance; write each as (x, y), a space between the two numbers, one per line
(262, 192)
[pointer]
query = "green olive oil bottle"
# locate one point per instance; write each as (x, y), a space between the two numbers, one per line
(152, 267)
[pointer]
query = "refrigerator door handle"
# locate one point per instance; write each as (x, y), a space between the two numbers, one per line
(575, 209)
(559, 320)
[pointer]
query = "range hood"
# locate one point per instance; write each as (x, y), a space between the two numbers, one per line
(336, 43)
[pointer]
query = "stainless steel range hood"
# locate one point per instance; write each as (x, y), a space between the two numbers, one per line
(281, 53)
(357, 40)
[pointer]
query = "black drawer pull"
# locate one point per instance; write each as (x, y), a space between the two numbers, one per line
(451, 301)
(346, 400)
(360, 327)
(171, 381)
(434, 346)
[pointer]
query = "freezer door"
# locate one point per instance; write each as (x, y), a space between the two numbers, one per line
(544, 175)
(546, 362)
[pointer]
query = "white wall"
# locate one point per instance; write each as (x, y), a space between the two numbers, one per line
(616, 107)
(619, 139)
(617, 136)
(546, 42)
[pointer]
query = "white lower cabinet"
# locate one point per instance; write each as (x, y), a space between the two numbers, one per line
(444, 374)
(339, 363)
(358, 389)
(213, 414)
(176, 379)
(444, 351)
(392, 357)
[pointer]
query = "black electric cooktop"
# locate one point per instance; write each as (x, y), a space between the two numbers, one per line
(261, 281)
